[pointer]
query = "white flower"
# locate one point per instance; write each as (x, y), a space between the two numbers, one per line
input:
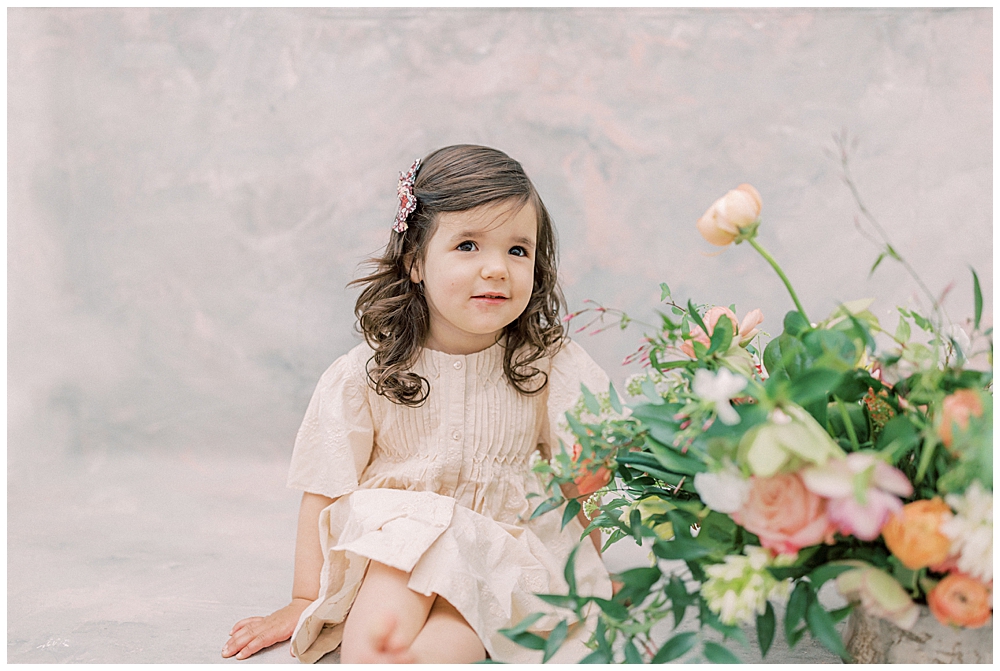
(971, 531)
(724, 491)
(738, 589)
(718, 388)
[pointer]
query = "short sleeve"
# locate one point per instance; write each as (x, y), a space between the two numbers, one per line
(334, 443)
(571, 368)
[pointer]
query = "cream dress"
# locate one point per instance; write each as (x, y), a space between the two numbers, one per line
(440, 491)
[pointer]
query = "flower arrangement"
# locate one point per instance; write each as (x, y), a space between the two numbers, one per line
(773, 469)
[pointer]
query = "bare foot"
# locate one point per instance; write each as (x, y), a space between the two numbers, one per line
(384, 648)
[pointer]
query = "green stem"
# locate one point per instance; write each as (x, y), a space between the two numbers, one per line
(781, 274)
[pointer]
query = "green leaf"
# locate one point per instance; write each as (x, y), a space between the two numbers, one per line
(796, 609)
(922, 322)
(570, 571)
(556, 639)
(898, 437)
(821, 626)
(632, 655)
(675, 647)
(721, 336)
(679, 600)
(616, 403)
(827, 572)
(612, 609)
(695, 317)
(546, 506)
(814, 385)
(795, 323)
(636, 584)
(765, 629)
(558, 600)
(590, 400)
(649, 389)
(523, 625)
(875, 265)
(572, 508)
(977, 295)
(664, 291)
(903, 330)
(527, 640)
(674, 461)
(597, 657)
(680, 549)
(719, 654)
(635, 522)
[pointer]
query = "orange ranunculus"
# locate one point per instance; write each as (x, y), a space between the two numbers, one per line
(912, 534)
(956, 409)
(960, 601)
(589, 483)
(729, 215)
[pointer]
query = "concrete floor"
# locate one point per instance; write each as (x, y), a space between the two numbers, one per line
(152, 559)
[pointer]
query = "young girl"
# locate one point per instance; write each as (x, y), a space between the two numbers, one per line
(414, 539)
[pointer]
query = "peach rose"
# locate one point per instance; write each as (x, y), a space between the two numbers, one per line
(912, 534)
(730, 215)
(589, 483)
(746, 329)
(956, 409)
(784, 514)
(960, 601)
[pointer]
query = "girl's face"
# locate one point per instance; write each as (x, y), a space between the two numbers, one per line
(478, 271)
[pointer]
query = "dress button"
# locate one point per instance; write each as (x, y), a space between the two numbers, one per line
(457, 435)
(458, 365)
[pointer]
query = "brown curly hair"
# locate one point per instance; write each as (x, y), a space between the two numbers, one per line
(392, 312)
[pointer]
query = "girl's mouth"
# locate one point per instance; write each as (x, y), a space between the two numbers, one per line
(490, 298)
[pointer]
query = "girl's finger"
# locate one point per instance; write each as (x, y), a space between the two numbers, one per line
(242, 622)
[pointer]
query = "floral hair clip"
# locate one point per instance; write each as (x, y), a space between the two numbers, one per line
(407, 201)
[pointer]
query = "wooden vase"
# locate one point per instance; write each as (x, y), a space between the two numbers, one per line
(871, 640)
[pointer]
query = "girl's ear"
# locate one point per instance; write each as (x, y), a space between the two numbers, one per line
(416, 276)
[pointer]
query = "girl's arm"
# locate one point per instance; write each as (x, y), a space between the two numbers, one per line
(255, 633)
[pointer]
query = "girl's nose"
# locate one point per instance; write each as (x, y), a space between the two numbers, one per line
(495, 267)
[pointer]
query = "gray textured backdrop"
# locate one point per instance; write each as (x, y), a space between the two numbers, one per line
(189, 191)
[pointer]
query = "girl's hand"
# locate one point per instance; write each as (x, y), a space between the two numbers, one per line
(256, 633)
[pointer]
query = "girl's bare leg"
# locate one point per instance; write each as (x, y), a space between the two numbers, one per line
(446, 638)
(385, 618)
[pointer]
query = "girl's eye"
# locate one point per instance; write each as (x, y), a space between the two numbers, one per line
(518, 251)
(466, 246)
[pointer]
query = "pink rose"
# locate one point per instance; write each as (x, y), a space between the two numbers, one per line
(746, 329)
(730, 215)
(784, 514)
